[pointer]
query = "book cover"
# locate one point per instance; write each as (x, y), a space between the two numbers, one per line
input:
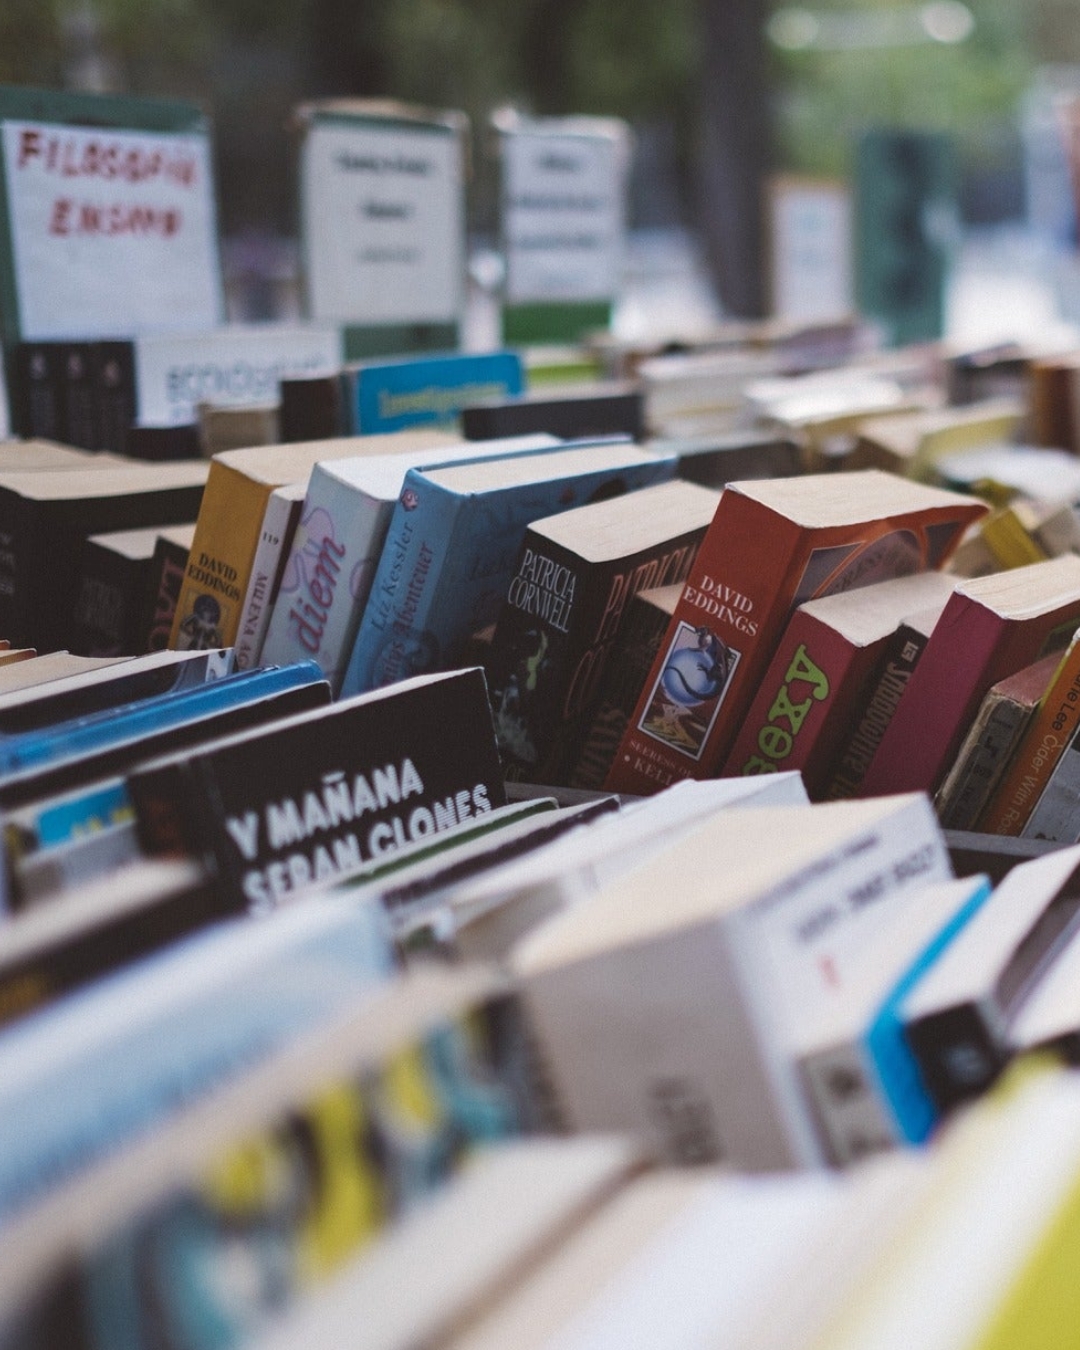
(316, 795)
(78, 401)
(453, 541)
(987, 750)
(1055, 816)
(875, 709)
(114, 394)
(283, 508)
(600, 410)
(558, 624)
(109, 614)
(36, 390)
(393, 395)
(338, 542)
(227, 531)
(772, 545)
(167, 567)
(44, 517)
(990, 627)
(690, 974)
(646, 621)
(1048, 735)
(826, 656)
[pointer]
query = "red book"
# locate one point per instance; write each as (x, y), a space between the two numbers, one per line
(772, 545)
(991, 627)
(810, 692)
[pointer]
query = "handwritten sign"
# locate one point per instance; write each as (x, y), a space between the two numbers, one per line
(384, 223)
(562, 214)
(113, 232)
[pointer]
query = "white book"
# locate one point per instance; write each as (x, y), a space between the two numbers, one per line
(861, 1080)
(665, 1004)
(275, 538)
(1050, 1016)
(491, 913)
(337, 544)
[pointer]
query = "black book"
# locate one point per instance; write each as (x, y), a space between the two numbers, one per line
(314, 797)
(109, 616)
(715, 461)
(35, 390)
(610, 411)
(114, 397)
(78, 415)
(167, 568)
(312, 408)
(159, 444)
(44, 517)
(80, 937)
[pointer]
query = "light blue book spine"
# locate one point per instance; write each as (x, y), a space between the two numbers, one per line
(400, 394)
(89, 1073)
(896, 1069)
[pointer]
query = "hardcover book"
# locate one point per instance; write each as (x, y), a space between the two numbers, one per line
(575, 575)
(827, 654)
(238, 487)
(773, 545)
(689, 975)
(339, 539)
(314, 796)
(44, 517)
(990, 627)
(453, 541)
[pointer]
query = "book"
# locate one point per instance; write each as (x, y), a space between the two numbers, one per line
(452, 543)
(172, 549)
(81, 936)
(826, 656)
(52, 666)
(67, 868)
(44, 518)
(874, 710)
(109, 616)
(651, 998)
(93, 1070)
(646, 621)
(715, 461)
(336, 548)
(312, 407)
(315, 795)
(957, 1018)
(772, 545)
(574, 577)
(225, 427)
(383, 396)
(990, 627)
(78, 396)
(155, 443)
(1013, 805)
(283, 508)
(36, 409)
(861, 1077)
(114, 396)
(912, 442)
(607, 409)
(227, 532)
(991, 742)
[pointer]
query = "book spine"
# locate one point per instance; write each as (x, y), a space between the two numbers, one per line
(14, 565)
(219, 565)
(848, 1110)
(36, 393)
(1056, 812)
(79, 419)
(870, 720)
(626, 672)
(327, 576)
(109, 601)
(1012, 806)
(411, 393)
(958, 1054)
(802, 705)
(115, 395)
(394, 640)
(981, 762)
(166, 578)
(275, 537)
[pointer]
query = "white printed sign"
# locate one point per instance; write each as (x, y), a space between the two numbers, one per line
(563, 216)
(113, 233)
(811, 249)
(384, 224)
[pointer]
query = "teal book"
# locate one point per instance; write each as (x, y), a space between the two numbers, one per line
(453, 544)
(393, 395)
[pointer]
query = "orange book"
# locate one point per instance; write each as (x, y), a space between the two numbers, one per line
(1037, 756)
(771, 546)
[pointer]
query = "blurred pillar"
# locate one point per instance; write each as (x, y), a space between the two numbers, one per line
(735, 151)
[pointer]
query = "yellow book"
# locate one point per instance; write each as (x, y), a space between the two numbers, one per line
(1010, 540)
(210, 604)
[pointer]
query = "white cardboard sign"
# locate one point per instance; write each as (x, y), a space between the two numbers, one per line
(113, 232)
(384, 224)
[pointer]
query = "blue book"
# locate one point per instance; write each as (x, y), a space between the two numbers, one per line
(392, 395)
(100, 731)
(92, 1071)
(453, 544)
